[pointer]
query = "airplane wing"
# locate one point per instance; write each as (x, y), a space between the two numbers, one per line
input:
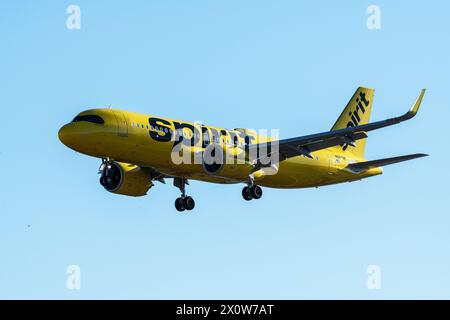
(366, 165)
(306, 144)
(156, 175)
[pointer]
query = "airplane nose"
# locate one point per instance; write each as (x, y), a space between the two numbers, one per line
(80, 136)
(67, 135)
(61, 134)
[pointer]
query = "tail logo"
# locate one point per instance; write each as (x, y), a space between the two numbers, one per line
(355, 116)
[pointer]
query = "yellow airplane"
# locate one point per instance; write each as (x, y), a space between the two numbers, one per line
(138, 150)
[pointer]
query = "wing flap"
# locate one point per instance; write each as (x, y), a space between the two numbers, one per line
(292, 150)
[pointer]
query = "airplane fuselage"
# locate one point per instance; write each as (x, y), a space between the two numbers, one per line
(148, 141)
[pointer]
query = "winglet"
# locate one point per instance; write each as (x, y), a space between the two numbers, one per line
(413, 111)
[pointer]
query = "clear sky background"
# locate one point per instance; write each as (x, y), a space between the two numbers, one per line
(291, 65)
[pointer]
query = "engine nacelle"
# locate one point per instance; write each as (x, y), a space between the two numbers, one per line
(126, 179)
(226, 162)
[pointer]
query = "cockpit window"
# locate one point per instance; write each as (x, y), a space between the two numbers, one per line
(89, 118)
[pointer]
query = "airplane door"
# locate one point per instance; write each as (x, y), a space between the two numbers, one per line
(122, 126)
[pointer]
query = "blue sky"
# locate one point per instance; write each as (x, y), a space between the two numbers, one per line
(291, 65)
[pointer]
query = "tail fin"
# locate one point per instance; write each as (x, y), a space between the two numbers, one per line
(357, 112)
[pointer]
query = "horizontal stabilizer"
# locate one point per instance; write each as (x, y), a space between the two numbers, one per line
(366, 165)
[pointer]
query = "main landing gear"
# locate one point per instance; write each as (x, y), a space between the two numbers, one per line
(252, 192)
(184, 202)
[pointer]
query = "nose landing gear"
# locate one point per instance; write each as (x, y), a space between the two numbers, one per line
(184, 202)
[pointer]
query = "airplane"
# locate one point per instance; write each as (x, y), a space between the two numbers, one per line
(138, 150)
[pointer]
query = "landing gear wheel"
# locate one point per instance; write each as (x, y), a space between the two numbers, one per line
(184, 202)
(179, 205)
(246, 194)
(188, 203)
(256, 192)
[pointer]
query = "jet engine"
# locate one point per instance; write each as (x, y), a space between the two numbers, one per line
(226, 162)
(126, 179)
